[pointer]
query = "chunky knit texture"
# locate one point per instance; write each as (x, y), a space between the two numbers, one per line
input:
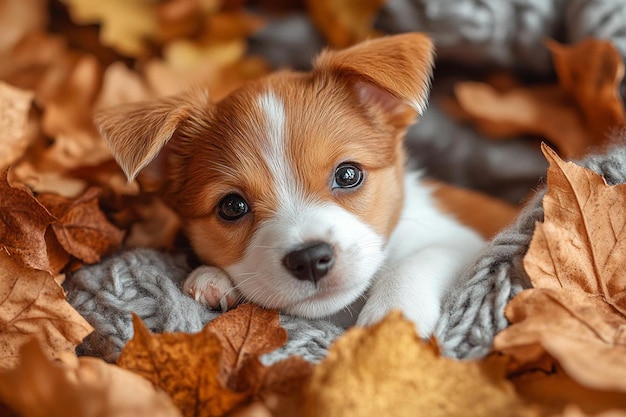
(148, 283)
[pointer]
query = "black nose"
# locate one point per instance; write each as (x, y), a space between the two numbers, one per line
(310, 263)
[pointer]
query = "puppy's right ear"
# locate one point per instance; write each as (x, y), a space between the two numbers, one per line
(137, 132)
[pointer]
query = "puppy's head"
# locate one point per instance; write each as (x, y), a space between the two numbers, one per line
(293, 183)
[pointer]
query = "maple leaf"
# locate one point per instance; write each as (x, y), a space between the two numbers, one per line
(591, 71)
(217, 370)
(80, 226)
(578, 113)
(78, 387)
(345, 23)
(575, 263)
(32, 305)
(582, 246)
(127, 25)
(15, 105)
(371, 371)
(559, 395)
(23, 224)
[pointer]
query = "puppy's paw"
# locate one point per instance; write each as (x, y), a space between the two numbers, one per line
(212, 287)
(372, 313)
(375, 310)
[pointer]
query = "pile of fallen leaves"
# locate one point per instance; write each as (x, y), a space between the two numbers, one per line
(65, 203)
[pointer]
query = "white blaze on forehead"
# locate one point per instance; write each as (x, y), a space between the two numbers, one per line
(275, 147)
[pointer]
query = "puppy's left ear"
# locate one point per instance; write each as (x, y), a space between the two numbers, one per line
(393, 72)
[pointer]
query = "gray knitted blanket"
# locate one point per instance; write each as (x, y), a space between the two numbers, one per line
(484, 34)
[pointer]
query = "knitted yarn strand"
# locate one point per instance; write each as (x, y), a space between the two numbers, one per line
(473, 312)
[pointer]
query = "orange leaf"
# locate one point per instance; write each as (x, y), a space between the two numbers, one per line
(81, 227)
(557, 393)
(544, 111)
(592, 71)
(15, 105)
(79, 387)
(578, 113)
(582, 245)
(345, 23)
(370, 371)
(23, 224)
(32, 305)
(185, 366)
(217, 370)
(575, 313)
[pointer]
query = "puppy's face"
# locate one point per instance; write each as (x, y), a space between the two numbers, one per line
(293, 183)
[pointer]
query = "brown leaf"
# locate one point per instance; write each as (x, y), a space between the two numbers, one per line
(582, 244)
(23, 224)
(79, 387)
(32, 305)
(185, 366)
(244, 338)
(68, 106)
(345, 23)
(544, 111)
(370, 371)
(591, 71)
(559, 395)
(81, 227)
(17, 20)
(575, 115)
(14, 108)
(583, 334)
(126, 25)
(575, 313)
(218, 370)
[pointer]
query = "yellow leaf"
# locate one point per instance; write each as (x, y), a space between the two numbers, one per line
(79, 387)
(388, 370)
(126, 24)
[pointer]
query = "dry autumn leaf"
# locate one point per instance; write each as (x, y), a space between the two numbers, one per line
(32, 305)
(81, 228)
(15, 105)
(217, 370)
(126, 25)
(557, 393)
(575, 115)
(371, 371)
(575, 263)
(591, 71)
(582, 246)
(345, 23)
(78, 387)
(23, 224)
(185, 366)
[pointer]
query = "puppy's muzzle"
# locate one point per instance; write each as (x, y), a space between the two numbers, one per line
(310, 263)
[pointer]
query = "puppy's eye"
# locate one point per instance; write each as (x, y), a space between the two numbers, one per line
(232, 207)
(347, 175)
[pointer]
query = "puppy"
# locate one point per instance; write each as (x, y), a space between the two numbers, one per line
(293, 189)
